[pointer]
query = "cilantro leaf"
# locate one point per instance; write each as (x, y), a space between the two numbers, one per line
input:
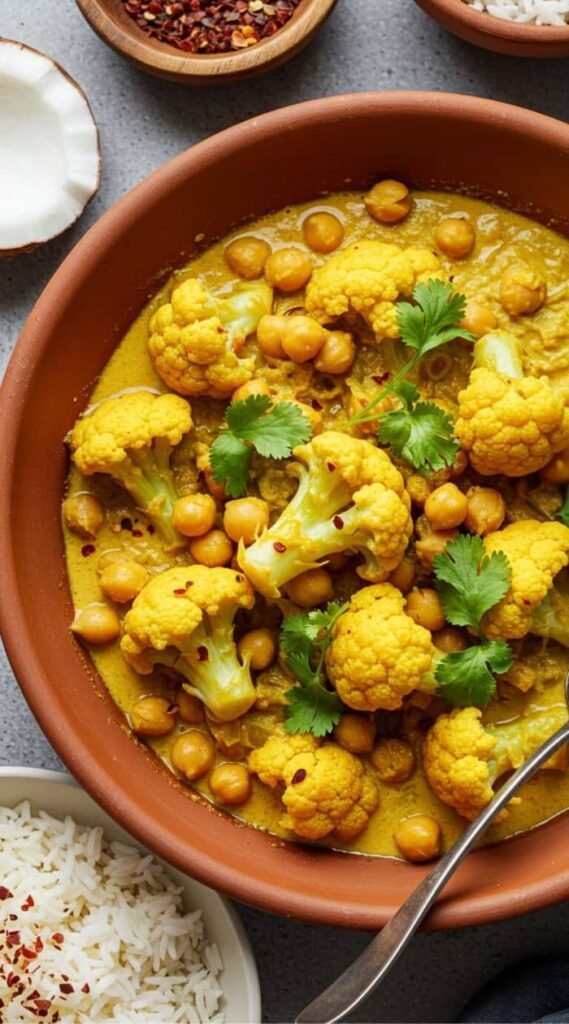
(420, 432)
(273, 431)
(434, 320)
(563, 514)
(465, 676)
(304, 641)
(470, 583)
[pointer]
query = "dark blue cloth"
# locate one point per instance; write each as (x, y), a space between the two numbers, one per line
(537, 990)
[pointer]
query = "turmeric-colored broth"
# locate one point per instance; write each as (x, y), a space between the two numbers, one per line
(501, 237)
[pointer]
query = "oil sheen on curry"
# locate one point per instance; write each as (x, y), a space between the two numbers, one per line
(316, 520)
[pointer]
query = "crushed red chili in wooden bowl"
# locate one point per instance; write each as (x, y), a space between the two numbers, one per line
(210, 26)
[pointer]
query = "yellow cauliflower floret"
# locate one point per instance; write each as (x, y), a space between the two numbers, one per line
(368, 278)
(195, 338)
(463, 758)
(183, 618)
(514, 427)
(327, 790)
(378, 653)
(536, 553)
(349, 496)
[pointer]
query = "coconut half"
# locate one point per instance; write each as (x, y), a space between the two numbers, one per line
(50, 161)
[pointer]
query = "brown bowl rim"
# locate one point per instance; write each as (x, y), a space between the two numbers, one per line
(485, 24)
(163, 59)
(316, 902)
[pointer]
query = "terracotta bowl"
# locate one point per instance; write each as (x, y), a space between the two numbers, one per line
(116, 28)
(487, 149)
(515, 39)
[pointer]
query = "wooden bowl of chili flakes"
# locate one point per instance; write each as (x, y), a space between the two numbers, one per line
(206, 42)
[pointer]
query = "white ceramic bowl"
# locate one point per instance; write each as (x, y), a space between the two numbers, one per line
(58, 794)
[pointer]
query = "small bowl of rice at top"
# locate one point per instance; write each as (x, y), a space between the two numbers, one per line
(93, 928)
(520, 28)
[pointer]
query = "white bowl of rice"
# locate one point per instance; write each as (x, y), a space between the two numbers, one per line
(94, 928)
(520, 28)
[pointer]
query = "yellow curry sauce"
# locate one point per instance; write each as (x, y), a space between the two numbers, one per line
(501, 238)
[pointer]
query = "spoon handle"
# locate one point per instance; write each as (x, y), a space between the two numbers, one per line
(360, 979)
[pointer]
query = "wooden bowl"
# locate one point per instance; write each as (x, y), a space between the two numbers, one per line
(482, 29)
(516, 157)
(116, 28)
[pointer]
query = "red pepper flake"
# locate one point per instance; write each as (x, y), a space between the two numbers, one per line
(330, 466)
(179, 591)
(299, 776)
(28, 902)
(338, 522)
(126, 523)
(210, 26)
(42, 1006)
(203, 653)
(380, 378)
(38, 944)
(66, 988)
(88, 549)
(316, 405)
(57, 937)
(279, 548)
(13, 938)
(150, 529)
(5, 893)
(28, 954)
(86, 988)
(137, 533)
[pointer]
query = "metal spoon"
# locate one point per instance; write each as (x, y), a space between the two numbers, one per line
(363, 976)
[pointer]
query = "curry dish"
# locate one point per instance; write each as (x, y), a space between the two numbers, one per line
(316, 522)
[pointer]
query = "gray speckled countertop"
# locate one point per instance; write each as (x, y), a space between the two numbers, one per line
(367, 44)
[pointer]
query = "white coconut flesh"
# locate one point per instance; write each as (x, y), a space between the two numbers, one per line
(49, 149)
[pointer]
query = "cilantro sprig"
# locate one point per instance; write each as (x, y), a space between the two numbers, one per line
(420, 432)
(304, 641)
(255, 425)
(469, 584)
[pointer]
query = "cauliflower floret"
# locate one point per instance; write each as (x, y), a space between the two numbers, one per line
(378, 653)
(184, 618)
(368, 278)
(130, 438)
(463, 758)
(327, 789)
(194, 339)
(509, 423)
(349, 496)
(536, 553)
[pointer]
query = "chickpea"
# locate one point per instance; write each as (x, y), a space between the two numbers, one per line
(446, 507)
(245, 519)
(270, 333)
(109, 557)
(478, 319)
(213, 549)
(190, 709)
(389, 201)
(336, 561)
(522, 290)
(97, 624)
(557, 471)
(303, 338)
(252, 387)
(455, 237)
(247, 256)
(337, 353)
(311, 588)
(288, 269)
(486, 510)
(193, 754)
(122, 581)
(323, 232)
(216, 490)
(450, 639)
(418, 488)
(393, 760)
(260, 646)
(83, 514)
(150, 716)
(194, 514)
(425, 608)
(403, 576)
(433, 544)
(355, 733)
(230, 784)
(419, 838)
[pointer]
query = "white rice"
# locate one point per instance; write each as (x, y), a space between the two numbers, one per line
(535, 12)
(104, 916)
